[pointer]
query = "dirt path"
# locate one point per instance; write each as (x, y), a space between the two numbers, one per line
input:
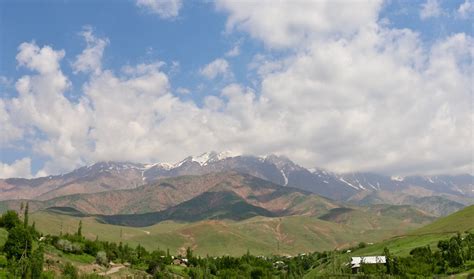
(280, 235)
(190, 242)
(112, 270)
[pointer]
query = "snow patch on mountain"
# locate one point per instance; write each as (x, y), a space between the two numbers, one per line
(284, 177)
(397, 178)
(348, 183)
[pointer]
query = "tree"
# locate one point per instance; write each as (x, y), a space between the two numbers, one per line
(9, 220)
(454, 254)
(18, 243)
(25, 220)
(79, 229)
(36, 263)
(388, 261)
(189, 253)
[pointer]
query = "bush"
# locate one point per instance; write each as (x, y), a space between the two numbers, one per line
(70, 271)
(101, 258)
(64, 245)
(76, 248)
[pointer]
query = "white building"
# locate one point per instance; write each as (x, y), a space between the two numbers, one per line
(357, 261)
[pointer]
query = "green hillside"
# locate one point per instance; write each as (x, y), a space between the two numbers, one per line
(441, 229)
(460, 221)
(261, 235)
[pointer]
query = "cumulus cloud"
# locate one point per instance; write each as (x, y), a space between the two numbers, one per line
(466, 9)
(19, 168)
(430, 8)
(285, 23)
(373, 99)
(91, 57)
(165, 9)
(219, 67)
(8, 130)
(378, 102)
(58, 127)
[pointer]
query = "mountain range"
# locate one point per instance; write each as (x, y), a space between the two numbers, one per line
(138, 188)
(225, 212)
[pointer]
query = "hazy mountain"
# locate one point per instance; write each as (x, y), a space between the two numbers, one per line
(436, 205)
(103, 176)
(111, 176)
(170, 192)
(238, 197)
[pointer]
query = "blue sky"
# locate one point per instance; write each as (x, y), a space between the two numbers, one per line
(192, 36)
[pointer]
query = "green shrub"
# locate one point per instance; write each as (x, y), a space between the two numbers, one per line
(70, 271)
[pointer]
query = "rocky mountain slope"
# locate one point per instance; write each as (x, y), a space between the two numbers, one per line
(170, 192)
(452, 192)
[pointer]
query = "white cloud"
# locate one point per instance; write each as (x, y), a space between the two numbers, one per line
(386, 101)
(8, 130)
(42, 109)
(218, 67)
(234, 51)
(183, 91)
(374, 99)
(90, 60)
(44, 60)
(165, 9)
(430, 8)
(285, 23)
(19, 168)
(466, 9)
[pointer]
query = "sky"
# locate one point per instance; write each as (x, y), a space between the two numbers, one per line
(346, 85)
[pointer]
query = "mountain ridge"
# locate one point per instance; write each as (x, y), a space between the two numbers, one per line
(111, 176)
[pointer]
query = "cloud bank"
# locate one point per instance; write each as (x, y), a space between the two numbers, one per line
(365, 98)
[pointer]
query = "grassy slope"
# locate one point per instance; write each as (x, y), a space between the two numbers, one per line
(462, 220)
(440, 229)
(261, 235)
(431, 234)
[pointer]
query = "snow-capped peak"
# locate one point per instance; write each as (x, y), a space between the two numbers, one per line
(204, 157)
(208, 157)
(166, 166)
(397, 178)
(226, 154)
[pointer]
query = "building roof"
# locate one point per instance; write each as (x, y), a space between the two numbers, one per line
(357, 261)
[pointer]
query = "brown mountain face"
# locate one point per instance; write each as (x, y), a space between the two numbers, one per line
(100, 177)
(170, 192)
(104, 178)
(240, 196)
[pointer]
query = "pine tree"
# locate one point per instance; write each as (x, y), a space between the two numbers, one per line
(26, 215)
(79, 229)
